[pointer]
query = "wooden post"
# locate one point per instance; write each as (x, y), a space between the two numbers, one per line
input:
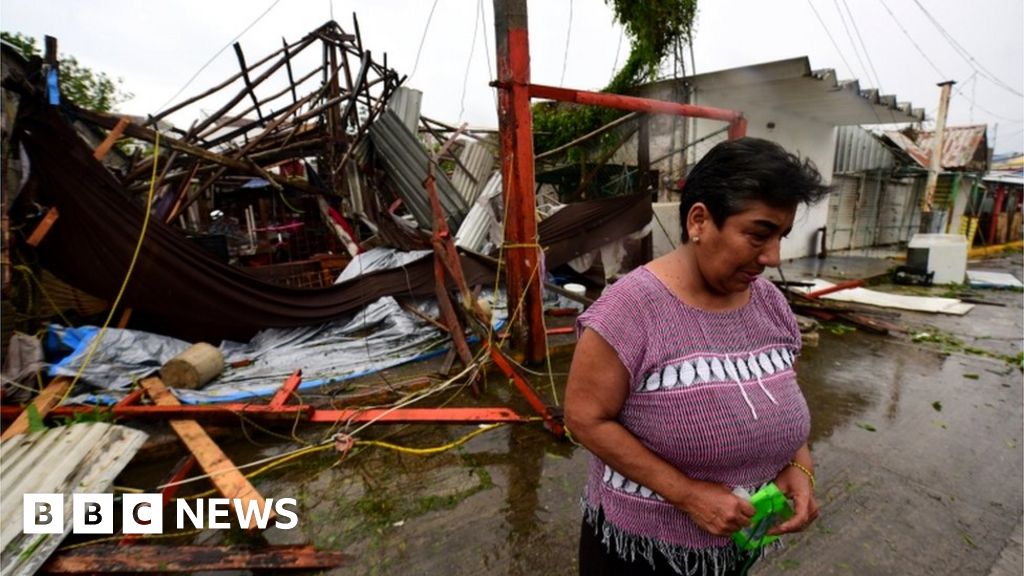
(194, 367)
(515, 125)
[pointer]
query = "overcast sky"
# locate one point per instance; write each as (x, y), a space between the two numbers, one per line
(156, 47)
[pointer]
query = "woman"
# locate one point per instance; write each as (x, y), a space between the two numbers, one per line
(683, 386)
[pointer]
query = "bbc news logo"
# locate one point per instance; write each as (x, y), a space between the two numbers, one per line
(144, 513)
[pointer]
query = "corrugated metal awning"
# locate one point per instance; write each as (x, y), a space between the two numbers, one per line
(964, 148)
(793, 87)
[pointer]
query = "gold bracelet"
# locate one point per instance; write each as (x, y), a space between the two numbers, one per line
(804, 469)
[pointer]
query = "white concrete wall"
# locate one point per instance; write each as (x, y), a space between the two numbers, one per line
(804, 137)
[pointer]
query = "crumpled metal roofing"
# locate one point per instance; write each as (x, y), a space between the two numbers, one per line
(406, 162)
(83, 457)
(964, 148)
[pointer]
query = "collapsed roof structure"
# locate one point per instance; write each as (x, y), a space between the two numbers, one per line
(337, 156)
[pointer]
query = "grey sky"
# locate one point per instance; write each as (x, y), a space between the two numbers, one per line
(155, 47)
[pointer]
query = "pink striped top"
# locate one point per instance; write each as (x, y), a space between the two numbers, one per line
(713, 393)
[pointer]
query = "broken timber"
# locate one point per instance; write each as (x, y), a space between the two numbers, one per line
(222, 472)
(43, 404)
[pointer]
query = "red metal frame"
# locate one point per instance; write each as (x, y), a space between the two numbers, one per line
(737, 123)
(515, 124)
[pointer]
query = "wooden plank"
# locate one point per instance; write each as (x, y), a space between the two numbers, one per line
(126, 315)
(226, 478)
(112, 136)
(43, 227)
(111, 558)
(44, 402)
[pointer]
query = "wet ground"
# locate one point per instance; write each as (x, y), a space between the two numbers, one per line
(917, 444)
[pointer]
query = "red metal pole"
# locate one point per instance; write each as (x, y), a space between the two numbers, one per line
(997, 203)
(515, 125)
(634, 104)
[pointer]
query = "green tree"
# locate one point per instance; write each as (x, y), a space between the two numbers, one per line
(655, 28)
(85, 87)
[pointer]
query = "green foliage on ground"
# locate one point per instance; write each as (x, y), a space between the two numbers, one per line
(86, 87)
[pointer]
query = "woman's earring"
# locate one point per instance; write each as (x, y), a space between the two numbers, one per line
(696, 239)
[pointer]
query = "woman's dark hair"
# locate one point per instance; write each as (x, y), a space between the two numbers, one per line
(737, 172)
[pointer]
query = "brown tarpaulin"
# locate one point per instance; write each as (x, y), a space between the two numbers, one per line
(195, 297)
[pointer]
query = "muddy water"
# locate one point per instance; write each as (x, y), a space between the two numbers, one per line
(918, 449)
(504, 503)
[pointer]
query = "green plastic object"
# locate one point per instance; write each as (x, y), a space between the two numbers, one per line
(771, 507)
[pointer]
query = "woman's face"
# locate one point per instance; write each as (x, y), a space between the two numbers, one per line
(730, 257)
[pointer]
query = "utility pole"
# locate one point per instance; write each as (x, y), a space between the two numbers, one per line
(935, 166)
(515, 124)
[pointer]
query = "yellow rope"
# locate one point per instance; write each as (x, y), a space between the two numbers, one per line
(515, 312)
(521, 245)
(31, 275)
(380, 444)
(427, 451)
(138, 248)
(286, 203)
(119, 537)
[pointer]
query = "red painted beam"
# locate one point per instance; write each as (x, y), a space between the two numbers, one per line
(838, 287)
(422, 415)
(526, 390)
(202, 412)
(632, 103)
(287, 389)
(515, 126)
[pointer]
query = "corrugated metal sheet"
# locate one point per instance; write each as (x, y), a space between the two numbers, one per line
(475, 229)
(790, 86)
(478, 163)
(84, 457)
(406, 163)
(355, 179)
(405, 103)
(963, 147)
(858, 150)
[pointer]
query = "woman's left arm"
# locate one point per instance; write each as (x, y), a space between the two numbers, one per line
(796, 481)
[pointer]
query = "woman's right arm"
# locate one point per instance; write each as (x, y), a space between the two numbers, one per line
(597, 388)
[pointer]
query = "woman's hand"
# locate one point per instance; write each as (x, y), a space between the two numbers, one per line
(715, 508)
(796, 484)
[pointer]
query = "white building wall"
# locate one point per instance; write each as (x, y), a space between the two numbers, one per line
(804, 137)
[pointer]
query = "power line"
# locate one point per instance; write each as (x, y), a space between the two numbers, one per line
(487, 45)
(852, 43)
(219, 52)
(834, 44)
(878, 80)
(423, 39)
(991, 113)
(909, 37)
(971, 60)
(487, 49)
(565, 57)
(472, 50)
(615, 66)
